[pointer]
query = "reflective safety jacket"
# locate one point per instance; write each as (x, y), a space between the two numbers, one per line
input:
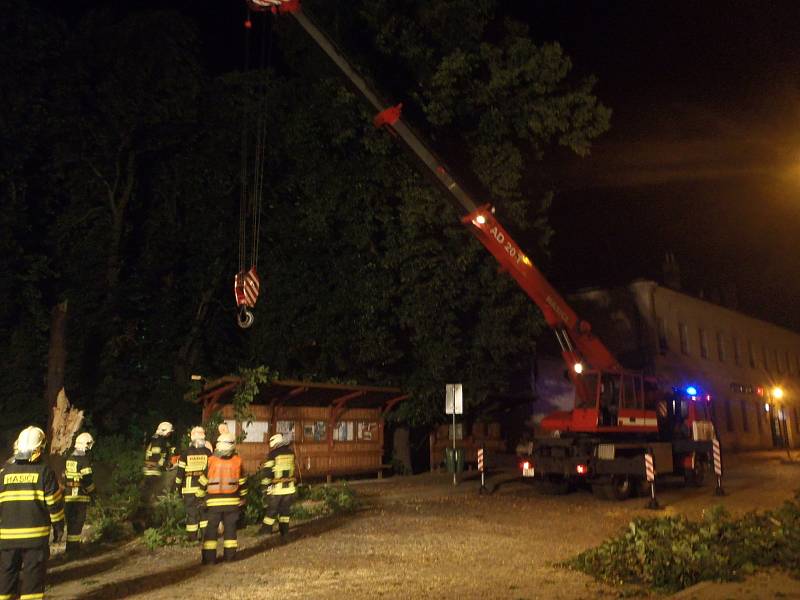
(30, 500)
(78, 480)
(223, 483)
(191, 466)
(277, 472)
(157, 456)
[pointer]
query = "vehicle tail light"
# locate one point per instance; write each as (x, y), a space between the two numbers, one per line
(581, 469)
(526, 465)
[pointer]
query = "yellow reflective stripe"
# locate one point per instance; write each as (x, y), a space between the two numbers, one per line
(243, 491)
(17, 495)
(5, 596)
(283, 519)
(242, 480)
(222, 502)
(53, 498)
(191, 528)
(230, 544)
(181, 464)
(266, 481)
(269, 521)
(18, 533)
(86, 471)
(56, 517)
(151, 472)
(212, 545)
(74, 538)
(72, 499)
(31, 596)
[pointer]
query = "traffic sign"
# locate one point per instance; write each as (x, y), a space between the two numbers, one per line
(454, 399)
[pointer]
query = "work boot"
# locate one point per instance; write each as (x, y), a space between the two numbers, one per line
(209, 557)
(284, 529)
(265, 529)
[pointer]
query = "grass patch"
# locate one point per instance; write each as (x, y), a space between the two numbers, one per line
(671, 553)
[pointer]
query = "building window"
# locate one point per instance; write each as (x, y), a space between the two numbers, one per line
(344, 431)
(737, 351)
(720, 346)
(765, 357)
(728, 415)
(285, 428)
(703, 342)
(683, 332)
(663, 346)
(255, 432)
(315, 431)
(367, 431)
(751, 354)
(745, 424)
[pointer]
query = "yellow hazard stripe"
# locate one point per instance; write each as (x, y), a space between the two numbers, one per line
(222, 502)
(53, 498)
(19, 495)
(19, 533)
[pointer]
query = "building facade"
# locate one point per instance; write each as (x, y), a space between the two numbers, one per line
(749, 367)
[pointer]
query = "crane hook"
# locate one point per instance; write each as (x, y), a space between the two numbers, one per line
(245, 318)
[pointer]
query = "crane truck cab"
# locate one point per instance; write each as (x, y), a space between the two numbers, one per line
(601, 444)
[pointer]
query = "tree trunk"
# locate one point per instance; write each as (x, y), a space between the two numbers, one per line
(402, 449)
(56, 361)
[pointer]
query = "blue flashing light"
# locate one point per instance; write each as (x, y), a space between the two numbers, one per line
(691, 390)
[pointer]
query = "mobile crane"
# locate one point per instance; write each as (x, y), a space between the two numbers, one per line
(619, 415)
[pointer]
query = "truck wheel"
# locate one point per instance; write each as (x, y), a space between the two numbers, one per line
(619, 487)
(554, 485)
(695, 477)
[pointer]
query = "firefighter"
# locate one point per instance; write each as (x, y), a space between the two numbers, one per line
(191, 466)
(278, 483)
(223, 487)
(157, 461)
(31, 503)
(79, 489)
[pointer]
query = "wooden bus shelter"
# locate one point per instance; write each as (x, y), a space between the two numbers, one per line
(336, 429)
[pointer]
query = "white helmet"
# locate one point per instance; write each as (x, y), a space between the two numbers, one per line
(276, 440)
(225, 444)
(164, 428)
(84, 442)
(198, 434)
(29, 443)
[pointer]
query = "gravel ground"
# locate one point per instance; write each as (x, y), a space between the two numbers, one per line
(421, 537)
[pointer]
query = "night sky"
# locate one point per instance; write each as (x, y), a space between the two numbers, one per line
(703, 156)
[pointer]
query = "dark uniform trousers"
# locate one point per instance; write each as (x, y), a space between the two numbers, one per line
(278, 511)
(195, 519)
(32, 562)
(75, 515)
(229, 518)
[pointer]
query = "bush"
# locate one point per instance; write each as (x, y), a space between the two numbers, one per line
(310, 501)
(166, 520)
(673, 553)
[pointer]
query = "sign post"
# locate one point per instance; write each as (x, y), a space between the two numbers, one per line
(481, 469)
(650, 473)
(717, 467)
(454, 405)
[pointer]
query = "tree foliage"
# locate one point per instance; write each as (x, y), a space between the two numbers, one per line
(122, 189)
